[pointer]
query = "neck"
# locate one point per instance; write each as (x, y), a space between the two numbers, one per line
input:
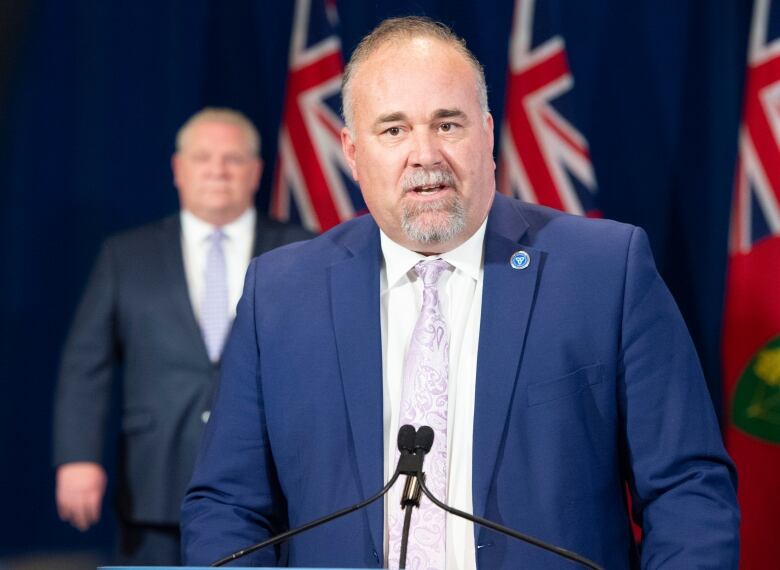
(218, 219)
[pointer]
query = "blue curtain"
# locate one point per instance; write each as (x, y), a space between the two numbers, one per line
(94, 92)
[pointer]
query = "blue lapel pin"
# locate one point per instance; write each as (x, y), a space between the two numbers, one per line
(520, 260)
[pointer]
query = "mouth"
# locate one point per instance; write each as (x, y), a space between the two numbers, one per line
(428, 190)
(216, 188)
(428, 184)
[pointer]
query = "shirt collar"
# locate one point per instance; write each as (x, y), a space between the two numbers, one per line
(198, 230)
(467, 257)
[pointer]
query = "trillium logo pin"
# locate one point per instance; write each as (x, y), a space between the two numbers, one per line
(520, 260)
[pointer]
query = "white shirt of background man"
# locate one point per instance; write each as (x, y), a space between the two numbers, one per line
(237, 246)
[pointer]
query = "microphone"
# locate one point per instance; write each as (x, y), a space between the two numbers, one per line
(410, 497)
(407, 436)
(423, 445)
(424, 440)
(407, 444)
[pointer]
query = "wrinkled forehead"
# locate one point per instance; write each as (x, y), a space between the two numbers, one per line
(419, 72)
(418, 54)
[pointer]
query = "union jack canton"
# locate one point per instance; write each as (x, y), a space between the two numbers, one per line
(544, 158)
(756, 209)
(312, 184)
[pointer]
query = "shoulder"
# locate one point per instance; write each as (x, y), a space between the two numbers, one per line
(318, 253)
(553, 230)
(146, 237)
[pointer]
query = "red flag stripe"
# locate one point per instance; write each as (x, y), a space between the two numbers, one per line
(316, 183)
(577, 146)
(529, 152)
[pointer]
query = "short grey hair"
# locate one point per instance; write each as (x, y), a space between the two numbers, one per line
(406, 28)
(221, 115)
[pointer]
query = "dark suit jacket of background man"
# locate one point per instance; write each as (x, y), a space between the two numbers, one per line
(136, 313)
(586, 379)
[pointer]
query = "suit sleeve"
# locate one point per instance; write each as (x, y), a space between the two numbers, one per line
(87, 369)
(681, 479)
(234, 499)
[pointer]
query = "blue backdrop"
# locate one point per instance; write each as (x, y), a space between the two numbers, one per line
(93, 92)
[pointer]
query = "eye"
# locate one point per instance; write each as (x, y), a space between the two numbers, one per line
(235, 159)
(447, 127)
(393, 131)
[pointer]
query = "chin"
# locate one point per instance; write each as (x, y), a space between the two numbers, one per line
(433, 228)
(434, 222)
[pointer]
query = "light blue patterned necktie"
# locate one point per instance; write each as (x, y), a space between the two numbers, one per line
(214, 317)
(424, 402)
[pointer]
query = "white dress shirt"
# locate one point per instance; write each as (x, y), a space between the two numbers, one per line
(237, 246)
(460, 299)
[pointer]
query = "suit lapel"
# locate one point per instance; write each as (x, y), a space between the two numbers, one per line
(507, 300)
(176, 279)
(356, 319)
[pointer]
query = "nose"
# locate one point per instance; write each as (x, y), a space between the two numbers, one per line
(425, 151)
(218, 167)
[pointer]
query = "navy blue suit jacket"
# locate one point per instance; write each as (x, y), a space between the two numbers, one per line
(586, 381)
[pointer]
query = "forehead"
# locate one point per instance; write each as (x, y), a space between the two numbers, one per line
(213, 133)
(414, 74)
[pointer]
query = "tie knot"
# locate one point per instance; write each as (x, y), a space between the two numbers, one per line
(217, 236)
(430, 271)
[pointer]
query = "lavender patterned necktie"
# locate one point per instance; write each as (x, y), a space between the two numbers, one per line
(214, 317)
(424, 402)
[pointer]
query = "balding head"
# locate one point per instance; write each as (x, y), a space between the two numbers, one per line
(397, 30)
(224, 116)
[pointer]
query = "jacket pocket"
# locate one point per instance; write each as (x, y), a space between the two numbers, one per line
(567, 385)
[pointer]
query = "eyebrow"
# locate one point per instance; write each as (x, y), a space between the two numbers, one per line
(448, 114)
(390, 118)
(437, 114)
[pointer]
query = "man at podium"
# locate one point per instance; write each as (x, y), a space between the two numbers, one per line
(542, 348)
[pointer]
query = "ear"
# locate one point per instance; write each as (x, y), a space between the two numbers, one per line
(490, 135)
(175, 161)
(258, 173)
(349, 150)
(489, 128)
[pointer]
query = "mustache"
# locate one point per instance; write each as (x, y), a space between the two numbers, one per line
(427, 177)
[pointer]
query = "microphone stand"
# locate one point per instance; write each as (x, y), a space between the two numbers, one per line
(296, 531)
(410, 498)
(406, 463)
(405, 536)
(411, 465)
(508, 531)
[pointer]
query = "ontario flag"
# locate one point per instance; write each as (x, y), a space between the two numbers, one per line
(751, 338)
(312, 184)
(544, 158)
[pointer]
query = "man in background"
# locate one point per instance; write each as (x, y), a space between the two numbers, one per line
(159, 306)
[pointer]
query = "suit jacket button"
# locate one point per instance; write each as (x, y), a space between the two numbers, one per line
(204, 417)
